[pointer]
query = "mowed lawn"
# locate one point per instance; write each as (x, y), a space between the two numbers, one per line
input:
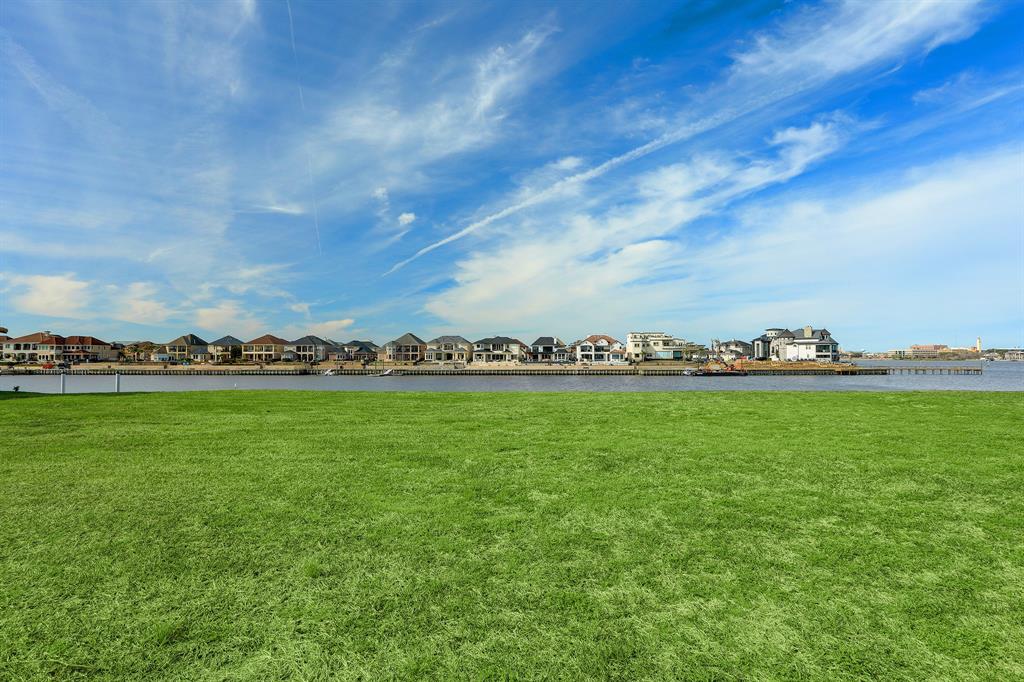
(269, 535)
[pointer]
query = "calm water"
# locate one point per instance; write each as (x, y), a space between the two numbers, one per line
(998, 376)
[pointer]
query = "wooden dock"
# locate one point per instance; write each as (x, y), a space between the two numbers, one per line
(934, 370)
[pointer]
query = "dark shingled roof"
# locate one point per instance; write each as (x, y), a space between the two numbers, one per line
(187, 340)
(500, 340)
(226, 341)
(409, 339)
(458, 340)
(548, 341)
(310, 340)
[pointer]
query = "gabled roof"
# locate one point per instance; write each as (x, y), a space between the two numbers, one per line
(361, 346)
(187, 340)
(84, 341)
(458, 340)
(309, 340)
(40, 337)
(267, 340)
(594, 338)
(816, 335)
(409, 339)
(500, 340)
(226, 341)
(548, 341)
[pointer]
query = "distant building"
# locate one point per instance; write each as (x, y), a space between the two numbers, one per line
(922, 351)
(499, 349)
(188, 347)
(600, 349)
(449, 349)
(762, 345)
(732, 350)
(38, 347)
(641, 346)
(225, 349)
(266, 348)
(549, 349)
(1014, 354)
(355, 351)
(88, 349)
(406, 348)
(308, 349)
(801, 345)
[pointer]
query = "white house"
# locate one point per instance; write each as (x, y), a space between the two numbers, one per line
(39, 347)
(600, 349)
(499, 349)
(449, 349)
(642, 346)
(801, 345)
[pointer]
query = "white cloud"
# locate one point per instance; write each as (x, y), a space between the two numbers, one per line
(49, 295)
(327, 329)
(866, 257)
(603, 263)
(330, 328)
(76, 110)
(283, 208)
(799, 56)
(406, 219)
(229, 317)
(839, 38)
(136, 302)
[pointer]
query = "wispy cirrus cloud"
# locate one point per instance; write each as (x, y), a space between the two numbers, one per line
(816, 46)
(226, 157)
(601, 262)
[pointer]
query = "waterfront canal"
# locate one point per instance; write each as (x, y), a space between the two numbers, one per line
(997, 376)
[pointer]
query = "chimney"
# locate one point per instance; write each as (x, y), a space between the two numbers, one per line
(808, 330)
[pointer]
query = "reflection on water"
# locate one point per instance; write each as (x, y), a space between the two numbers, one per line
(998, 376)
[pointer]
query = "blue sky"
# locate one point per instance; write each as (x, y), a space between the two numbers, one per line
(363, 169)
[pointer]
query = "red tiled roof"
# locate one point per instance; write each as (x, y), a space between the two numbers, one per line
(594, 338)
(40, 337)
(85, 341)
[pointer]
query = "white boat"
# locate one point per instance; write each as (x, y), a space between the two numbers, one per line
(385, 373)
(328, 373)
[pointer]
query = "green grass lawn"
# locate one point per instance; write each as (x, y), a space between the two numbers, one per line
(262, 535)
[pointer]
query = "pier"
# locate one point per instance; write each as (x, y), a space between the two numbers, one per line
(934, 370)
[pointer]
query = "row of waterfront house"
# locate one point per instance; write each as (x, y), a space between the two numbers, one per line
(805, 344)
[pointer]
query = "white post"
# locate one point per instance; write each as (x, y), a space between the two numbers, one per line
(117, 382)
(62, 383)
